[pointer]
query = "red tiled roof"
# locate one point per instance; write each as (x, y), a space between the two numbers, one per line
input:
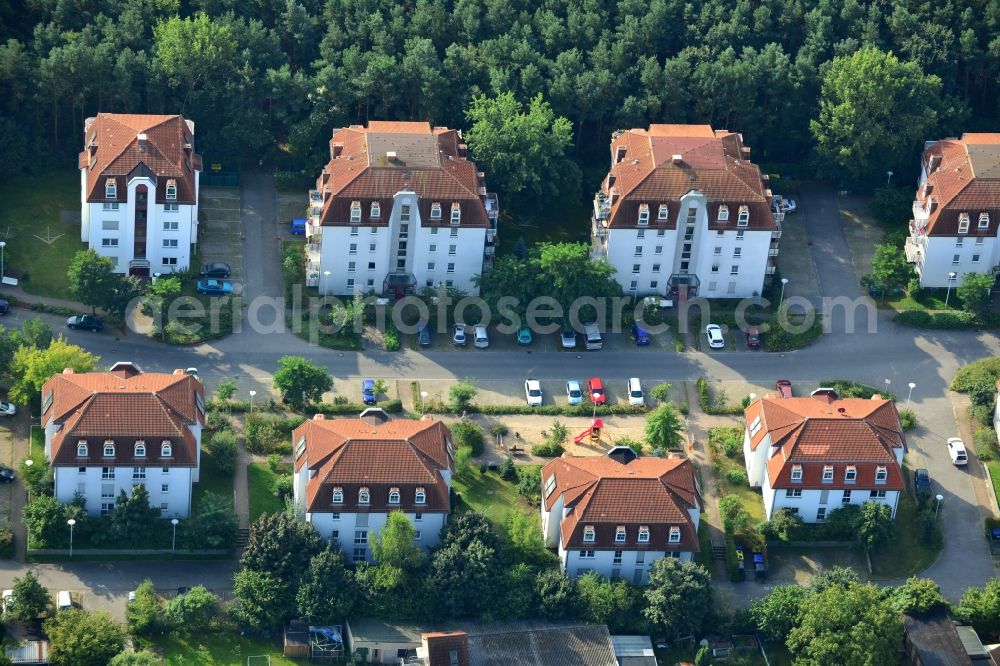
(965, 178)
(124, 408)
(351, 454)
(429, 161)
(813, 433)
(440, 645)
(112, 149)
(605, 493)
(712, 161)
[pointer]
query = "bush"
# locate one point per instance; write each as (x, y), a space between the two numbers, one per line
(273, 462)
(547, 450)
(726, 441)
(714, 404)
(945, 321)
(470, 435)
(907, 418)
(262, 435)
(778, 340)
(507, 470)
(848, 389)
(6, 543)
(982, 373)
(631, 443)
(216, 420)
(226, 389)
(283, 487)
(783, 526)
(736, 477)
(390, 339)
(222, 446)
(529, 482)
(981, 414)
(460, 396)
(985, 441)
(499, 429)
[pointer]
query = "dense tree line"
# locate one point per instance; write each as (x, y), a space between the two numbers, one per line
(268, 79)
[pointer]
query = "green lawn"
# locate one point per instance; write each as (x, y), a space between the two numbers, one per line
(223, 649)
(31, 210)
(488, 494)
(907, 554)
(260, 482)
(704, 555)
(994, 467)
(37, 451)
(723, 465)
(211, 479)
(929, 300)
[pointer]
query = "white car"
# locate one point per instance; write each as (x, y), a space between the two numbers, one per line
(635, 395)
(788, 205)
(567, 338)
(458, 337)
(479, 337)
(574, 395)
(131, 595)
(533, 392)
(715, 339)
(7, 409)
(8, 597)
(956, 449)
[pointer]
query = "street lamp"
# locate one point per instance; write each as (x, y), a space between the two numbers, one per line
(252, 394)
(173, 543)
(910, 394)
(938, 505)
(3, 244)
(889, 178)
(28, 463)
(423, 400)
(326, 286)
(887, 382)
(784, 281)
(951, 280)
(71, 522)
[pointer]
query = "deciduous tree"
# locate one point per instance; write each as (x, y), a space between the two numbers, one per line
(261, 599)
(33, 367)
(890, 270)
(776, 614)
(301, 381)
(83, 638)
(29, 600)
(663, 428)
(981, 607)
(144, 614)
(679, 597)
(974, 292)
(328, 591)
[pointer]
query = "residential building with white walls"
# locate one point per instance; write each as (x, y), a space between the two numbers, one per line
(139, 185)
(683, 212)
(399, 207)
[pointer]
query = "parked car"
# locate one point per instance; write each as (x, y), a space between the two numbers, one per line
(597, 393)
(424, 336)
(88, 322)
(753, 337)
(956, 449)
(7, 409)
(131, 595)
(6, 474)
(922, 482)
(215, 269)
(298, 226)
(63, 600)
(640, 335)
(784, 388)
(567, 338)
(789, 205)
(524, 336)
(8, 598)
(480, 339)
(213, 287)
(635, 395)
(533, 392)
(4, 307)
(715, 339)
(574, 395)
(458, 336)
(368, 391)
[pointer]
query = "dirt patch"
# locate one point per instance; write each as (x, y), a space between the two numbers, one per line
(799, 565)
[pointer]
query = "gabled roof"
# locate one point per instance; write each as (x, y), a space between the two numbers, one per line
(431, 162)
(116, 145)
(963, 176)
(715, 162)
(579, 645)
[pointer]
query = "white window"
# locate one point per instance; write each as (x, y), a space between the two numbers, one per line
(394, 496)
(169, 242)
(372, 247)
(454, 233)
(109, 242)
(354, 230)
(661, 232)
(635, 268)
(110, 206)
(984, 220)
(793, 492)
(416, 535)
(170, 208)
(107, 508)
(338, 496)
(550, 485)
(881, 473)
(675, 535)
(451, 268)
(404, 213)
(656, 268)
(420, 497)
(456, 213)
(109, 450)
(109, 225)
(352, 266)
(821, 514)
(433, 248)
(165, 470)
(350, 283)
(417, 517)
(107, 491)
(140, 449)
(163, 507)
(975, 258)
(452, 249)
(851, 474)
(364, 496)
(376, 211)
(715, 268)
(352, 248)
(171, 190)
(640, 234)
(718, 249)
(796, 472)
(661, 214)
(739, 234)
(963, 223)
(846, 499)
(643, 214)
(794, 510)
(956, 259)
(164, 487)
(652, 284)
(876, 494)
(430, 265)
(643, 534)
(633, 285)
(712, 286)
(355, 212)
(138, 473)
(588, 534)
(638, 250)
(586, 554)
(734, 270)
(81, 470)
(723, 213)
(744, 218)
(755, 426)
(360, 537)
(737, 252)
(435, 211)
(166, 450)
(658, 249)
(110, 189)
(370, 282)
(434, 231)
(169, 261)
(373, 230)
(81, 449)
(620, 535)
(107, 473)
(171, 225)
(827, 472)
(959, 242)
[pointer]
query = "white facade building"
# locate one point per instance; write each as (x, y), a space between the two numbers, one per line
(399, 207)
(816, 454)
(351, 473)
(684, 212)
(956, 213)
(106, 432)
(618, 514)
(139, 187)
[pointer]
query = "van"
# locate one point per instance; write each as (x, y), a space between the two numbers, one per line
(63, 600)
(593, 337)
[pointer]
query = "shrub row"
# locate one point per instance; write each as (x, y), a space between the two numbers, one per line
(949, 320)
(714, 404)
(393, 406)
(848, 389)
(544, 410)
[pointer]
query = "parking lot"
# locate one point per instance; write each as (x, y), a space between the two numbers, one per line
(220, 234)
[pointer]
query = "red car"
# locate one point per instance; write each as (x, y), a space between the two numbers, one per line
(596, 388)
(784, 388)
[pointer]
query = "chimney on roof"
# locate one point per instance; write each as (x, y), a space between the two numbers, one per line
(463, 150)
(841, 411)
(69, 371)
(143, 138)
(390, 156)
(677, 159)
(745, 152)
(318, 417)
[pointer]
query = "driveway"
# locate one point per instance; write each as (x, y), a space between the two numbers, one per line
(261, 243)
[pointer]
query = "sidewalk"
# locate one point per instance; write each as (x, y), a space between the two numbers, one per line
(19, 295)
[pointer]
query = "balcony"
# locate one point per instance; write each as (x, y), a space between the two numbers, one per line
(920, 211)
(772, 252)
(917, 229)
(914, 250)
(602, 207)
(492, 208)
(771, 267)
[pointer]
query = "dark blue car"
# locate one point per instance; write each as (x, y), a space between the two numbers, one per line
(640, 335)
(368, 391)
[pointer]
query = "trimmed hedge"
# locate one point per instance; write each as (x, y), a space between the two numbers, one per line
(845, 388)
(948, 320)
(352, 408)
(777, 340)
(544, 410)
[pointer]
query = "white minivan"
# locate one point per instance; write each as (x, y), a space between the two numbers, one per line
(593, 336)
(635, 395)
(956, 449)
(481, 340)
(63, 600)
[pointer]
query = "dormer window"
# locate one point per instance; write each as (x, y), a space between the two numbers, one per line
(420, 496)
(744, 218)
(588, 534)
(393, 495)
(435, 211)
(456, 213)
(300, 446)
(643, 534)
(675, 535)
(643, 214)
(364, 496)
(376, 210)
(110, 189)
(661, 214)
(963, 223)
(109, 449)
(550, 485)
(984, 220)
(755, 426)
(140, 449)
(166, 449)
(355, 212)
(338, 496)
(171, 190)
(851, 474)
(620, 534)
(723, 213)
(81, 449)
(797, 473)
(881, 473)
(827, 473)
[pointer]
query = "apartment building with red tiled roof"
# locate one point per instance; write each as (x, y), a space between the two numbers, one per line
(106, 432)
(815, 454)
(956, 212)
(350, 473)
(139, 181)
(617, 514)
(399, 207)
(684, 212)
